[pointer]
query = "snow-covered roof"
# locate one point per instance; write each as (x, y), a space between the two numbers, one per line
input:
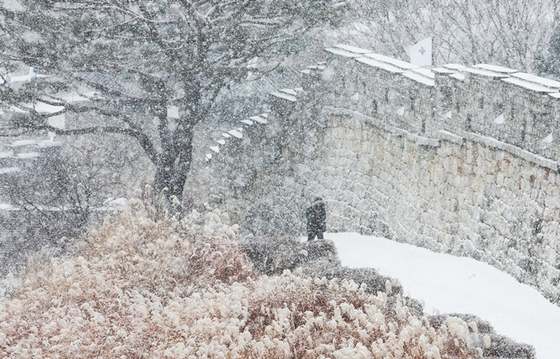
(22, 143)
(419, 78)
(40, 107)
(555, 95)
(6, 170)
(121, 82)
(380, 64)
(49, 144)
(260, 118)
(284, 96)
(31, 76)
(422, 75)
(529, 85)
(260, 83)
(458, 76)
(554, 85)
(341, 52)
(221, 142)
(6, 154)
(215, 149)
(485, 72)
(236, 133)
(494, 68)
(27, 155)
(247, 122)
(316, 67)
(353, 49)
(292, 92)
(226, 135)
(443, 70)
(6, 206)
(395, 62)
(456, 67)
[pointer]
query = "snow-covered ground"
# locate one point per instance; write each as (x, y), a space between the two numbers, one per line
(449, 284)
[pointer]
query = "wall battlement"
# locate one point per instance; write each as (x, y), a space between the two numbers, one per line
(458, 160)
(518, 109)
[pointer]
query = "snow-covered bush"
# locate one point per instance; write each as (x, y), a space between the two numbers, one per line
(319, 258)
(140, 288)
(483, 336)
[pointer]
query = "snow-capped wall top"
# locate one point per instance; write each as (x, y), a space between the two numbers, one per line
(21, 143)
(529, 85)
(454, 66)
(236, 133)
(353, 49)
(28, 155)
(6, 170)
(458, 99)
(458, 76)
(260, 119)
(342, 52)
(389, 60)
(485, 72)
(422, 75)
(49, 144)
(284, 96)
(443, 70)
(554, 85)
(380, 64)
(494, 68)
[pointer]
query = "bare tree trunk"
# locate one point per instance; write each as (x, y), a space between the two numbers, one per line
(172, 170)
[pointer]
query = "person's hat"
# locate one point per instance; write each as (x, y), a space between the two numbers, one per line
(318, 202)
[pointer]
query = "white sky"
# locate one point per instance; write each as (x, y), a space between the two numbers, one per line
(450, 284)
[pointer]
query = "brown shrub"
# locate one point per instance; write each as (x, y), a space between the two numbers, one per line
(140, 288)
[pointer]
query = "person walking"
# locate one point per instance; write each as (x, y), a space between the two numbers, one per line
(316, 219)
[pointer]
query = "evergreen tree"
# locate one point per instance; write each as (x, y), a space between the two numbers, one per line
(549, 65)
(142, 58)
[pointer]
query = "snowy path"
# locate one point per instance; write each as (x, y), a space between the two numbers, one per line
(449, 284)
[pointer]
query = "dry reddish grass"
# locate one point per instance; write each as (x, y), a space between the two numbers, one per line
(141, 288)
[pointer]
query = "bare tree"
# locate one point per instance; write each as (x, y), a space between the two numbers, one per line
(144, 59)
(59, 192)
(507, 33)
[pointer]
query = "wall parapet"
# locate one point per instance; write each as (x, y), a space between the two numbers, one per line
(513, 107)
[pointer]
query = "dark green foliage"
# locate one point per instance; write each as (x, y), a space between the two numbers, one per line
(549, 65)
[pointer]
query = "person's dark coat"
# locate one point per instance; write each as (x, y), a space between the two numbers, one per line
(316, 219)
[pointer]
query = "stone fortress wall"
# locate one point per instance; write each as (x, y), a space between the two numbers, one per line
(461, 160)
